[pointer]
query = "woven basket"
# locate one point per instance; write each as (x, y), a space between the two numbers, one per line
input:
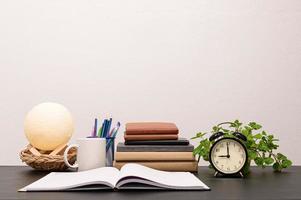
(46, 162)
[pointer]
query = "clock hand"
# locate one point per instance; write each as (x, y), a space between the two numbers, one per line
(223, 156)
(228, 155)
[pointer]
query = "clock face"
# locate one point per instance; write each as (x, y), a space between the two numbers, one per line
(228, 155)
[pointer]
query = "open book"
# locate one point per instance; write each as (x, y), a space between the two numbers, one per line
(130, 176)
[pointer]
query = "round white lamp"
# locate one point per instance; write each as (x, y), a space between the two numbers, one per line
(48, 125)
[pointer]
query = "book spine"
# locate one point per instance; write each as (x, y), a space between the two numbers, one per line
(157, 142)
(165, 166)
(154, 148)
(154, 156)
(151, 132)
(150, 137)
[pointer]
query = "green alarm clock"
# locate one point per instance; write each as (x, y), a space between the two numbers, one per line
(228, 155)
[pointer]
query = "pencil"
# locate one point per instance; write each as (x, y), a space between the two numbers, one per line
(95, 127)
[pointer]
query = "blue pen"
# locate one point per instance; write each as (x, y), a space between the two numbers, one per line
(114, 133)
(105, 128)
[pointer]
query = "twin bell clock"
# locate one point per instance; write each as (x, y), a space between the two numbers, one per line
(228, 154)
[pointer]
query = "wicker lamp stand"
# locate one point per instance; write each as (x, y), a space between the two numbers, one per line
(47, 160)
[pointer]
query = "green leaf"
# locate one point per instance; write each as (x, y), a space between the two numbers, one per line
(197, 150)
(259, 161)
(262, 146)
(237, 123)
(252, 154)
(277, 167)
(199, 135)
(203, 149)
(216, 129)
(271, 145)
(281, 156)
(206, 157)
(258, 136)
(250, 138)
(286, 163)
(268, 161)
(255, 126)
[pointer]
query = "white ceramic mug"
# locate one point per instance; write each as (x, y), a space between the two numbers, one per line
(91, 153)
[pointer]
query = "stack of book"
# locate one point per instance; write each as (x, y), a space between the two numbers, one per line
(155, 145)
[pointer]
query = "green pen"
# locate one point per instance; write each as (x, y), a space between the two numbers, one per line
(99, 132)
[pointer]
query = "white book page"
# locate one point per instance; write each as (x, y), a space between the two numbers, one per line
(67, 180)
(175, 180)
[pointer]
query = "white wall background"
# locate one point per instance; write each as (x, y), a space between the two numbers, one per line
(195, 63)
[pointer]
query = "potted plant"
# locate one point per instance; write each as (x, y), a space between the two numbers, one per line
(260, 145)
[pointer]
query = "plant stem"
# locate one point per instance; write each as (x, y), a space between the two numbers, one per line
(258, 153)
(276, 160)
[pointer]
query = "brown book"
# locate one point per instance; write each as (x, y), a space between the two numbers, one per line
(184, 166)
(152, 128)
(154, 156)
(150, 137)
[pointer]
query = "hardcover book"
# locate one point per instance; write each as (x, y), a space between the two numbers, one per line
(154, 156)
(151, 128)
(179, 141)
(150, 137)
(121, 147)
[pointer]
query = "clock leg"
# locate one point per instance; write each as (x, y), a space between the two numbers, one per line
(241, 174)
(216, 173)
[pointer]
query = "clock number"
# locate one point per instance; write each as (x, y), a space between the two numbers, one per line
(217, 150)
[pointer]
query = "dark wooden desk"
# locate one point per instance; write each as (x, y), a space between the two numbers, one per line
(261, 184)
